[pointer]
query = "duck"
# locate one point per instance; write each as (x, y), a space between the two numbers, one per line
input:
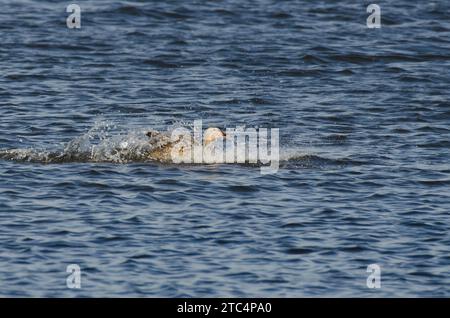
(179, 149)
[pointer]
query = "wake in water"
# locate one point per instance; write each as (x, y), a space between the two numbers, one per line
(98, 145)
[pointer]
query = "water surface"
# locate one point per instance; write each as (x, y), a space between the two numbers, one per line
(364, 121)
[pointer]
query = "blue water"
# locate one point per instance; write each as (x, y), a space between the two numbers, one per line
(364, 120)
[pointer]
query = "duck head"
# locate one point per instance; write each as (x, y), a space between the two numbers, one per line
(212, 134)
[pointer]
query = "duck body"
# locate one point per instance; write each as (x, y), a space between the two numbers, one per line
(180, 148)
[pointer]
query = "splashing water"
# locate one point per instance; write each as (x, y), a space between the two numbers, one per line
(99, 144)
(96, 145)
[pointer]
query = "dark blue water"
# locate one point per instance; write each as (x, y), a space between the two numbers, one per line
(364, 120)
